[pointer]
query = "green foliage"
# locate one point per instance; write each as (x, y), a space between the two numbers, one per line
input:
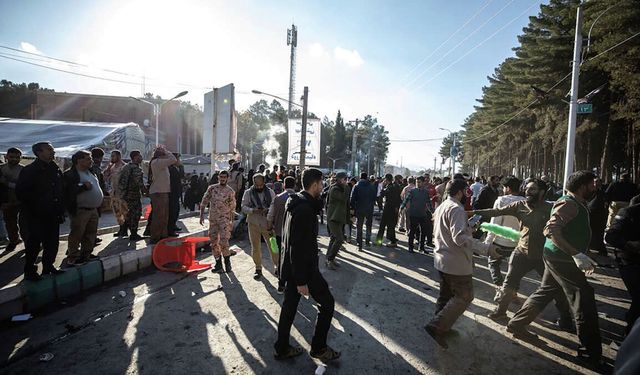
(16, 98)
(534, 141)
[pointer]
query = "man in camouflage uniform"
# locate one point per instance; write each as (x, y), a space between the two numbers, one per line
(222, 201)
(130, 189)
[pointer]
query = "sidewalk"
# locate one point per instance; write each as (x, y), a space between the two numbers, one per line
(12, 264)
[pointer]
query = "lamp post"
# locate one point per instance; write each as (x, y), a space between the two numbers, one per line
(452, 162)
(156, 110)
(333, 161)
(303, 130)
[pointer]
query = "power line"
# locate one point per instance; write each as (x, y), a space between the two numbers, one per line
(474, 48)
(458, 45)
(448, 39)
(44, 58)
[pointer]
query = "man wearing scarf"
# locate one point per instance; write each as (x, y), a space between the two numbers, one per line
(255, 204)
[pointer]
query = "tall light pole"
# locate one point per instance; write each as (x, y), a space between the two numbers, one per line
(354, 144)
(452, 161)
(573, 104)
(157, 107)
(303, 131)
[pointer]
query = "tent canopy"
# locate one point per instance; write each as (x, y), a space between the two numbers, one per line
(68, 137)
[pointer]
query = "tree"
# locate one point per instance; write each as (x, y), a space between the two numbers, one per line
(16, 99)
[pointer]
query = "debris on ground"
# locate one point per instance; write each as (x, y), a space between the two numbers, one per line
(46, 357)
(21, 317)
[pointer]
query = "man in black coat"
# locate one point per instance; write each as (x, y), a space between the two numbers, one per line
(488, 194)
(39, 190)
(176, 174)
(299, 269)
(391, 192)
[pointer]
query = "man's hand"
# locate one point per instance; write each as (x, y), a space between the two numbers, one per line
(469, 214)
(304, 290)
(584, 263)
(87, 185)
(269, 227)
(202, 220)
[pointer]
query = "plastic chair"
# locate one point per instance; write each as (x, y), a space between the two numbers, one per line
(178, 255)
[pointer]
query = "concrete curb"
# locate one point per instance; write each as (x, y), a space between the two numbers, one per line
(28, 296)
(142, 223)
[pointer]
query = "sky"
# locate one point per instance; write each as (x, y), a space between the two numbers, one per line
(416, 65)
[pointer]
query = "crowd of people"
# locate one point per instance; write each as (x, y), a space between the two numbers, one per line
(557, 232)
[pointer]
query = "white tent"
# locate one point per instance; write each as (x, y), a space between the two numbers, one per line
(67, 137)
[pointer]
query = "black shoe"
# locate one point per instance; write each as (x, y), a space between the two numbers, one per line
(522, 333)
(135, 237)
(257, 275)
(566, 325)
(173, 234)
(411, 250)
(368, 244)
(177, 229)
(98, 241)
(32, 277)
(227, 264)
(325, 355)
(498, 317)
(280, 289)
(218, 266)
(439, 338)
(10, 247)
(76, 262)
(53, 271)
(122, 232)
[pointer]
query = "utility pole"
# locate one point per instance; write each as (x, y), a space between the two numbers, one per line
(354, 142)
(453, 153)
(573, 104)
(292, 40)
(435, 159)
(303, 131)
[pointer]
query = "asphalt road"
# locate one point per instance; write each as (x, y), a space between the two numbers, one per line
(208, 323)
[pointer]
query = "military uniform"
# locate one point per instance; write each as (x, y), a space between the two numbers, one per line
(130, 186)
(222, 203)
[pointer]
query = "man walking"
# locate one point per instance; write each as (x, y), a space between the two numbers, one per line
(275, 217)
(418, 207)
(532, 214)
(300, 271)
(130, 189)
(453, 258)
(391, 193)
(221, 200)
(566, 263)
(404, 221)
(337, 217)
(9, 174)
(488, 194)
(159, 191)
(504, 246)
(39, 190)
(363, 200)
(83, 197)
(255, 204)
(618, 194)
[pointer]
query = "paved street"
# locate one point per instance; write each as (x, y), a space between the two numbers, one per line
(209, 323)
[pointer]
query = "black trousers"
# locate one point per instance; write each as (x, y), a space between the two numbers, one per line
(363, 219)
(561, 274)
(279, 242)
(388, 222)
(174, 211)
(319, 291)
(42, 233)
(631, 277)
(419, 223)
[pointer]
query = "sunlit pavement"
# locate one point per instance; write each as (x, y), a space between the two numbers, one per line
(209, 323)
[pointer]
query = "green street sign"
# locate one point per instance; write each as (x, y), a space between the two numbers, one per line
(585, 108)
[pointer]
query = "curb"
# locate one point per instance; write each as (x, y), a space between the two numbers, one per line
(29, 296)
(141, 223)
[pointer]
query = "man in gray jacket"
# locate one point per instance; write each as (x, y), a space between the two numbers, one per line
(453, 258)
(255, 204)
(337, 217)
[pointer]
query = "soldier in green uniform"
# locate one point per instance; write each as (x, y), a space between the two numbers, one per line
(131, 188)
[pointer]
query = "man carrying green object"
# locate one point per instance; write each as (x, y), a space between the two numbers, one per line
(532, 214)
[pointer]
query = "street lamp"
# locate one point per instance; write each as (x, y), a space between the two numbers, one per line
(333, 161)
(452, 162)
(303, 131)
(156, 109)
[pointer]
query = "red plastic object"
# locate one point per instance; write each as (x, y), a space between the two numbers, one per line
(146, 212)
(178, 255)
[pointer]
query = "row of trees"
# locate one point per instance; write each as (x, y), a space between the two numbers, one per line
(537, 78)
(263, 132)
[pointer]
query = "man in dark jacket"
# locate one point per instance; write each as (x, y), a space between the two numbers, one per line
(488, 194)
(598, 219)
(419, 210)
(619, 193)
(623, 234)
(391, 193)
(299, 269)
(363, 199)
(39, 190)
(176, 174)
(83, 197)
(337, 217)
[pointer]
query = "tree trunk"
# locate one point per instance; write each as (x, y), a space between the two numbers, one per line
(604, 170)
